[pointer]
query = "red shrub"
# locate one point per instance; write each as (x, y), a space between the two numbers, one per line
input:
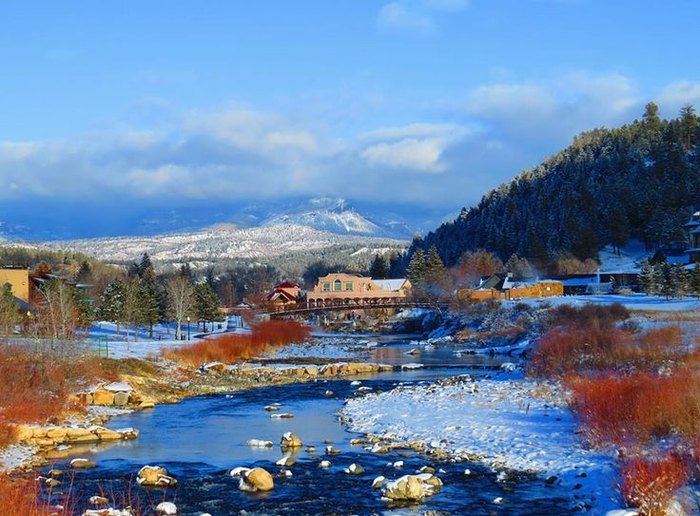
(566, 349)
(21, 496)
(650, 484)
(638, 408)
(232, 348)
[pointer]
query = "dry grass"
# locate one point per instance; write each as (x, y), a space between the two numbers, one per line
(233, 348)
(34, 388)
(650, 484)
(22, 496)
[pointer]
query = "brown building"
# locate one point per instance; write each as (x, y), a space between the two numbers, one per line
(497, 287)
(17, 280)
(341, 289)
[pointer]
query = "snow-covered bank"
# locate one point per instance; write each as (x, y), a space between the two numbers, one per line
(510, 424)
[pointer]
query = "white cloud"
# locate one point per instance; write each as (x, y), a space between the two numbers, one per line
(416, 15)
(676, 95)
(409, 153)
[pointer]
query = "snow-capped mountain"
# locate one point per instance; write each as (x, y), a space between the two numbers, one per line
(328, 214)
(223, 241)
(57, 220)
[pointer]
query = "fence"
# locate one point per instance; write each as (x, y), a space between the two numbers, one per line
(54, 348)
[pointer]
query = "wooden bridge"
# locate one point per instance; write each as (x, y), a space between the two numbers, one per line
(339, 305)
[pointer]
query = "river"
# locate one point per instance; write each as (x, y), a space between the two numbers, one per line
(200, 439)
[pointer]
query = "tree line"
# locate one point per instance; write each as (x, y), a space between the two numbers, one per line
(640, 181)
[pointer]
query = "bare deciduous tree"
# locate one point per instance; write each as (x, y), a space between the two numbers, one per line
(181, 294)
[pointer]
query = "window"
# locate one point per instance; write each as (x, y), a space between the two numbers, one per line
(348, 285)
(326, 287)
(337, 285)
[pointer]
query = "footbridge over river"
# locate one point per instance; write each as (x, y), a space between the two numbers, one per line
(339, 305)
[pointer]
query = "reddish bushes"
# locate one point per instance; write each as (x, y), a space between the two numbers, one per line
(650, 484)
(35, 387)
(21, 496)
(567, 349)
(232, 348)
(588, 316)
(636, 409)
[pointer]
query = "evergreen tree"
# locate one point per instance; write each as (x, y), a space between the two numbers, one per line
(695, 279)
(651, 119)
(688, 126)
(647, 279)
(206, 308)
(433, 281)
(681, 280)
(379, 268)
(9, 311)
(619, 228)
(416, 267)
(669, 281)
(112, 303)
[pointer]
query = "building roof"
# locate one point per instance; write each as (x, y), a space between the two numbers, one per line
(390, 284)
(491, 282)
(287, 284)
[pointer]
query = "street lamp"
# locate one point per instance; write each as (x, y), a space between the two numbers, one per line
(188, 327)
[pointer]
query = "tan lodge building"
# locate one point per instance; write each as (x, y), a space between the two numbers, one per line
(341, 289)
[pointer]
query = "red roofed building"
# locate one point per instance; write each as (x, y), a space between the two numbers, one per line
(284, 295)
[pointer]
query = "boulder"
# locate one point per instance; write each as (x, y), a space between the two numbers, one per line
(154, 476)
(407, 488)
(413, 487)
(324, 464)
(166, 509)
(259, 443)
(286, 461)
(108, 512)
(282, 415)
(98, 501)
(118, 387)
(121, 399)
(238, 471)
(271, 408)
(82, 464)
(102, 397)
(378, 482)
(290, 441)
(332, 450)
(354, 469)
(257, 479)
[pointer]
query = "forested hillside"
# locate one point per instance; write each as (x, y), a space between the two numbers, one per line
(640, 181)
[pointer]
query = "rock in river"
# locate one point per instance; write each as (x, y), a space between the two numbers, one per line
(257, 479)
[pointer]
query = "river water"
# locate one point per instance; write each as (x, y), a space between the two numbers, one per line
(200, 439)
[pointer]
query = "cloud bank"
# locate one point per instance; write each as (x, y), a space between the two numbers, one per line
(449, 156)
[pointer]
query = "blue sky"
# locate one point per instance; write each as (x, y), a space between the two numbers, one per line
(431, 102)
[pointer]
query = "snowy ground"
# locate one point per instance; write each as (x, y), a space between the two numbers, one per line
(631, 301)
(106, 337)
(15, 456)
(512, 424)
(327, 348)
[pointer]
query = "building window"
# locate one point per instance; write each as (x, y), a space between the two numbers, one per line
(337, 285)
(348, 285)
(326, 287)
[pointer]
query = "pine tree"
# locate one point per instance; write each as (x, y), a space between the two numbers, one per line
(206, 308)
(619, 228)
(646, 279)
(695, 279)
(416, 267)
(379, 269)
(668, 285)
(434, 277)
(112, 303)
(9, 311)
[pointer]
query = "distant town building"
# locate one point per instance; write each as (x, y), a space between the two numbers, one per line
(693, 228)
(16, 279)
(341, 289)
(505, 287)
(284, 295)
